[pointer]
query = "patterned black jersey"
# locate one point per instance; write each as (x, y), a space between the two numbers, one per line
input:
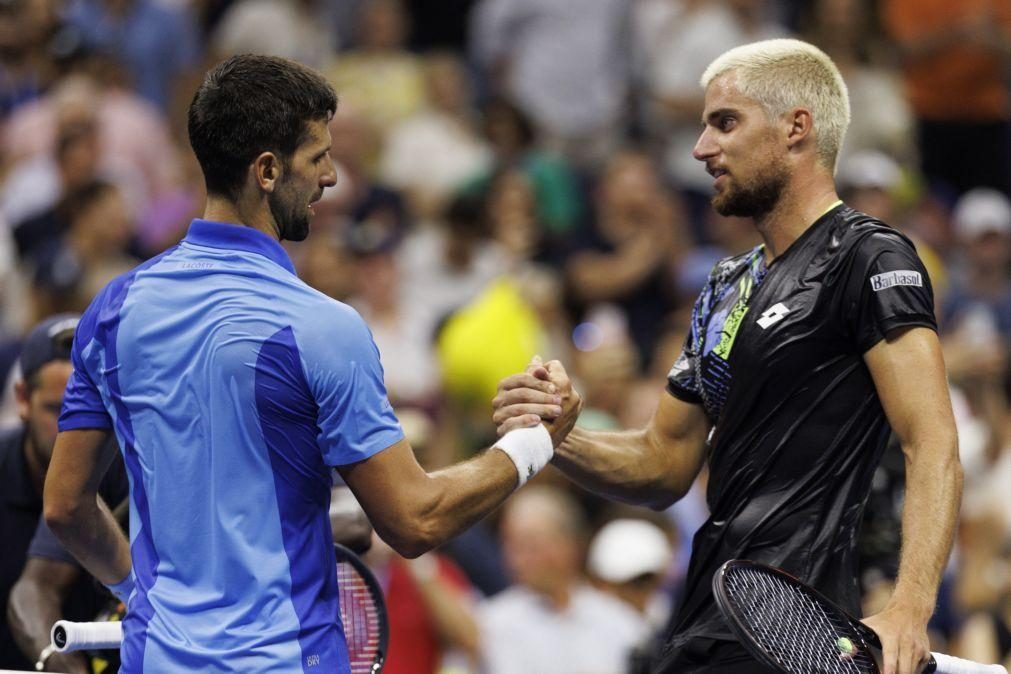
(775, 357)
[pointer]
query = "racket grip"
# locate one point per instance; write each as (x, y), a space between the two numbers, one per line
(70, 636)
(947, 664)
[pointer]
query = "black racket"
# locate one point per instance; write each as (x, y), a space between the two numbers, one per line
(363, 613)
(790, 626)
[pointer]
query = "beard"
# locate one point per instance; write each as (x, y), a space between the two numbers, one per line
(290, 213)
(756, 197)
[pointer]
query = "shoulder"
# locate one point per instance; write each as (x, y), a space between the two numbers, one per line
(109, 299)
(859, 233)
(323, 325)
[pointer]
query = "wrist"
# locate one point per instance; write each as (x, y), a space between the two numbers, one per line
(123, 588)
(919, 610)
(530, 449)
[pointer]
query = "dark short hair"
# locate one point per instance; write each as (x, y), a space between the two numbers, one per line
(251, 104)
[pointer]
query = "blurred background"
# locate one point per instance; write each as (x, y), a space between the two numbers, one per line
(515, 177)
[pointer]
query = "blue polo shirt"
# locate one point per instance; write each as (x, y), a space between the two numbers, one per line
(231, 386)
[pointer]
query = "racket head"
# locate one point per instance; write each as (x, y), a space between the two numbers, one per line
(786, 624)
(363, 613)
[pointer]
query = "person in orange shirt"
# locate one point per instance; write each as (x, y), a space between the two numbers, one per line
(955, 57)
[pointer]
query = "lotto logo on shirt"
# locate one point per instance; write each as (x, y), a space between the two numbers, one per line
(902, 277)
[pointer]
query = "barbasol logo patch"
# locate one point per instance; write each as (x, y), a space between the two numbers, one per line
(902, 277)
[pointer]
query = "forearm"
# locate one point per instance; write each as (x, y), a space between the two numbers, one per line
(929, 517)
(90, 533)
(597, 278)
(627, 466)
(451, 500)
(31, 612)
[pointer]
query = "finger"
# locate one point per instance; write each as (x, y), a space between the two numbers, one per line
(536, 368)
(889, 655)
(525, 421)
(557, 372)
(525, 395)
(526, 380)
(503, 414)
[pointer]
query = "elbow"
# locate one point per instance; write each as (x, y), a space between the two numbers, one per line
(411, 537)
(60, 516)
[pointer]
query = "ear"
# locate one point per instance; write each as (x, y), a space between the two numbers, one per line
(22, 397)
(266, 170)
(800, 127)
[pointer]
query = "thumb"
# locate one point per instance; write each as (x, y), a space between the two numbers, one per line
(536, 368)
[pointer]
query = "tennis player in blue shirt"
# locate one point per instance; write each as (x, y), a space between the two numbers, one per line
(232, 388)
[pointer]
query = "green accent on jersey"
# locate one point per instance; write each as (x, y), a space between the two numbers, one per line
(734, 319)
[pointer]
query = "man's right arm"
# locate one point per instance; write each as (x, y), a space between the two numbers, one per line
(654, 466)
(415, 511)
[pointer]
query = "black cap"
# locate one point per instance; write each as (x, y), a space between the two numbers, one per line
(48, 341)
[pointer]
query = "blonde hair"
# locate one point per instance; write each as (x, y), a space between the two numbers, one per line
(785, 74)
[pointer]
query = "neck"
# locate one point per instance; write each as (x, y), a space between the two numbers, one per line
(802, 202)
(36, 468)
(222, 209)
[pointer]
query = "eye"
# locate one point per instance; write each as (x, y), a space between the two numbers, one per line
(727, 123)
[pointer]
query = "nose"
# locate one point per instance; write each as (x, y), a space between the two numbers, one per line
(705, 146)
(329, 177)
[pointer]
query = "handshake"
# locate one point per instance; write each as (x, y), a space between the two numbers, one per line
(533, 413)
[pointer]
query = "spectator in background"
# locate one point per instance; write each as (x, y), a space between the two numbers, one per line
(430, 605)
(564, 64)
(50, 182)
(25, 453)
(398, 327)
(293, 29)
(378, 75)
(982, 286)
(156, 42)
(955, 64)
(93, 251)
(551, 620)
(513, 141)
(433, 152)
(26, 62)
(882, 119)
(676, 40)
(629, 255)
(135, 148)
(629, 559)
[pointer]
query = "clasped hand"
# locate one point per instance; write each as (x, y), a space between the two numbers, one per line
(542, 393)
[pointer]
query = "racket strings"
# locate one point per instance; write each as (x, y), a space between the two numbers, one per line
(794, 628)
(360, 618)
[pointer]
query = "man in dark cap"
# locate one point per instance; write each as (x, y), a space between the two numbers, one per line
(24, 459)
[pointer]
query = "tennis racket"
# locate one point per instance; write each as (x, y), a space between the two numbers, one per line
(362, 611)
(790, 626)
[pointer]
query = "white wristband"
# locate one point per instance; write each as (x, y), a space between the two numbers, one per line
(529, 448)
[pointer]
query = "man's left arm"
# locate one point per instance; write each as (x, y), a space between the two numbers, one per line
(74, 512)
(35, 604)
(909, 375)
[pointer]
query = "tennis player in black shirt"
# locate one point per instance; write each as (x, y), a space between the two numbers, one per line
(802, 355)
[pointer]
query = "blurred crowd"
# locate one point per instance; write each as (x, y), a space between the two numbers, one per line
(515, 178)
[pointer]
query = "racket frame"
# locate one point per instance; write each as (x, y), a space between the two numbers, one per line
(344, 554)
